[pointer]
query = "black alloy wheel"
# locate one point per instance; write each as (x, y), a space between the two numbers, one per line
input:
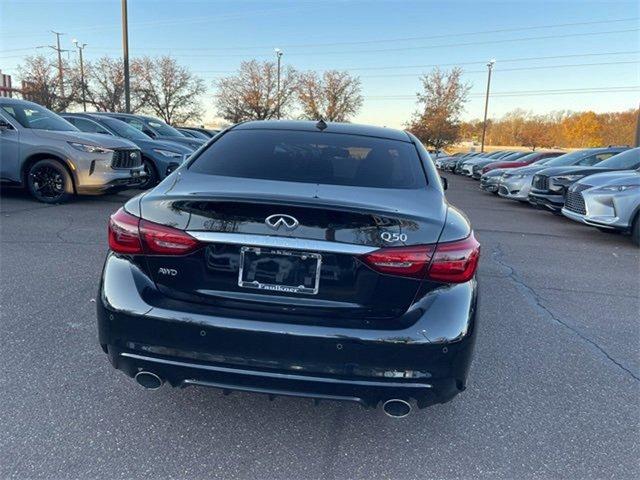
(151, 176)
(48, 181)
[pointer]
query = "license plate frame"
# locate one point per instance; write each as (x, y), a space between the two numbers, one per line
(274, 287)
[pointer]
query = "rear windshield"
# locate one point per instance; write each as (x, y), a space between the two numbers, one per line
(570, 158)
(313, 157)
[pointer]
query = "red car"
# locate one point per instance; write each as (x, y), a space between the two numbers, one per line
(522, 161)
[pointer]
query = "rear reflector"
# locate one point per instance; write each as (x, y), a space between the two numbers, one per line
(452, 262)
(131, 235)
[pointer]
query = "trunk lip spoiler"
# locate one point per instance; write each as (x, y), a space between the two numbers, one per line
(290, 243)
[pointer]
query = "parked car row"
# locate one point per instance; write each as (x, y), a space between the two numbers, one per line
(596, 186)
(57, 156)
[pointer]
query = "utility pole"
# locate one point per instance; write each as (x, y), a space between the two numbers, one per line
(80, 47)
(125, 52)
(638, 130)
(486, 103)
(59, 51)
(60, 73)
(279, 54)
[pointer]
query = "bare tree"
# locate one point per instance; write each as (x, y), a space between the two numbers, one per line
(441, 102)
(336, 96)
(251, 93)
(41, 83)
(168, 89)
(104, 85)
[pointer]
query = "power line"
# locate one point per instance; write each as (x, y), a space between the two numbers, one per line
(484, 42)
(506, 60)
(539, 67)
(156, 23)
(475, 62)
(411, 48)
(402, 39)
(423, 47)
(516, 93)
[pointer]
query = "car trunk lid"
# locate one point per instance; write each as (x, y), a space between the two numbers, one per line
(247, 263)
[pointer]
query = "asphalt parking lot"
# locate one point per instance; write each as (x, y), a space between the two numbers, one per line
(553, 392)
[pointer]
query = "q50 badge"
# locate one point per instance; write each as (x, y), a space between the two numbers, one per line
(393, 237)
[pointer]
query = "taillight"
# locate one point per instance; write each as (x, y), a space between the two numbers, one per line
(131, 235)
(404, 261)
(451, 262)
(123, 233)
(162, 240)
(455, 262)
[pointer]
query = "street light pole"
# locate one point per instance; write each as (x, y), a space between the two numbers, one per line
(486, 103)
(279, 54)
(125, 53)
(80, 47)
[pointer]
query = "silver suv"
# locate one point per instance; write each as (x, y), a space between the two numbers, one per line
(54, 160)
(608, 201)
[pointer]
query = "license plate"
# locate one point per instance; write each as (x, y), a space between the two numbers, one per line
(279, 270)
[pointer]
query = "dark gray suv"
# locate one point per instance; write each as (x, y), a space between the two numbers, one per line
(54, 160)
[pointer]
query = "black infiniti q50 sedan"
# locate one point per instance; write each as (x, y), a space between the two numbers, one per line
(309, 259)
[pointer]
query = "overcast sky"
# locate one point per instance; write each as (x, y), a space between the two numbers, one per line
(595, 45)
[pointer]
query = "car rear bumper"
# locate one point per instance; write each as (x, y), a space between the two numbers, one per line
(427, 361)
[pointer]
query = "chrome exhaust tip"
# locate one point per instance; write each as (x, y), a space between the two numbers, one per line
(148, 380)
(396, 408)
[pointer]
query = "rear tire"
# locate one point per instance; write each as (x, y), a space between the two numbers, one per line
(48, 181)
(635, 230)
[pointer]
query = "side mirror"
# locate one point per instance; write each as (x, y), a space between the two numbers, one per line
(4, 125)
(445, 183)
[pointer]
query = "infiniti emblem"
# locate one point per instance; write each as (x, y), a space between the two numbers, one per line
(281, 220)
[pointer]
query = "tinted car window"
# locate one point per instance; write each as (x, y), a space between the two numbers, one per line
(125, 130)
(311, 157)
(627, 160)
(135, 123)
(515, 156)
(89, 126)
(34, 116)
(570, 158)
(164, 129)
(196, 134)
(588, 161)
